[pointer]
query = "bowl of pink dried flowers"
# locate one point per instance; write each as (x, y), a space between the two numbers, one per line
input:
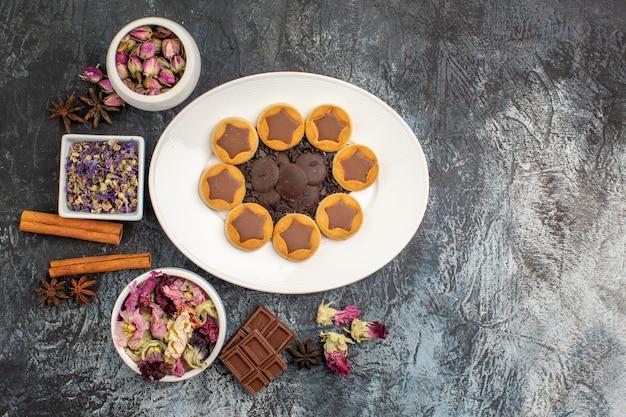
(153, 63)
(168, 324)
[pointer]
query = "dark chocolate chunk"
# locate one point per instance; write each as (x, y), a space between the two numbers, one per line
(291, 181)
(314, 166)
(279, 206)
(264, 174)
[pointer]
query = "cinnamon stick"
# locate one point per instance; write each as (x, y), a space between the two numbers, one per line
(52, 224)
(95, 264)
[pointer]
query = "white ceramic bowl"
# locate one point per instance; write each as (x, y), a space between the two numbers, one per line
(206, 287)
(66, 143)
(180, 91)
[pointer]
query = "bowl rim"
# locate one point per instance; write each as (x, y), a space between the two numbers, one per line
(206, 287)
(175, 95)
(66, 141)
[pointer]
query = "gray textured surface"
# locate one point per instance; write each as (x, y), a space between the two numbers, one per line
(510, 299)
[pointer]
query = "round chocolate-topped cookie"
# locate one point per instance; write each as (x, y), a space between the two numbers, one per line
(292, 181)
(280, 126)
(234, 140)
(296, 237)
(355, 167)
(339, 216)
(222, 186)
(264, 174)
(328, 127)
(248, 226)
(314, 166)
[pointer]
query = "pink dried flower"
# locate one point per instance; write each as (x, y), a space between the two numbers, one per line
(130, 330)
(122, 70)
(121, 57)
(210, 329)
(141, 33)
(105, 85)
(326, 315)
(158, 324)
(364, 330)
(92, 74)
(150, 67)
(338, 362)
(346, 315)
(178, 64)
(113, 99)
(146, 50)
(170, 48)
(178, 369)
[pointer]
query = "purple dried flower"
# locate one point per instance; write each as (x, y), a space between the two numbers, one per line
(153, 367)
(210, 329)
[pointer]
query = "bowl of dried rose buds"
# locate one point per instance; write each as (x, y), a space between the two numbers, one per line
(153, 63)
(101, 177)
(168, 324)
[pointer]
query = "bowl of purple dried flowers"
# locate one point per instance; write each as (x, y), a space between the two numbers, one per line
(153, 63)
(101, 177)
(168, 324)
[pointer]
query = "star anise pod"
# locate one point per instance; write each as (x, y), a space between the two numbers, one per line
(66, 111)
(304, 355)
(98, 109)
(80, 290)
(51, 292)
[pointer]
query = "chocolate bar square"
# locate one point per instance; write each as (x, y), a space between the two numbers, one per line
(252, 354)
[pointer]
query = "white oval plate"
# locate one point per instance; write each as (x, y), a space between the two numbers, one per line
(393, 206)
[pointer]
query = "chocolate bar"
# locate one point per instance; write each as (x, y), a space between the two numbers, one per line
(252, 354)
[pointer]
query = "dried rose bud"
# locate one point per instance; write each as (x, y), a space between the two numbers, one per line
(161, 33)
(142, 33)
(150, 67)
(122, 70)
(163, 63)
(166, 77)
(134, 64)
(121, 58)
(170, 48)
(105, 85)
(126, 44)
(128, 83)
(113, 100)
(157, 45)
(146, 50)
(178, 64)
(92, 74)
(151, 84)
